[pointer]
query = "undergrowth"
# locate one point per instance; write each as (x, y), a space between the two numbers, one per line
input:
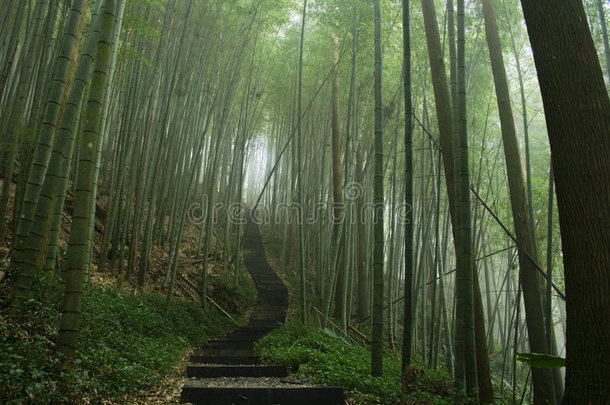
(325, 359)
(127, 344)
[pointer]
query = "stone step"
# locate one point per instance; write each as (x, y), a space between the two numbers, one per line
(195, 393)
(228, 351)
(210, 359)
(264, 324)
(207, 371)
(239, 336)
(270, 311)
(237, 342)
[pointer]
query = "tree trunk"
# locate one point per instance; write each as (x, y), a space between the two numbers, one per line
(577, 111)
(542, 378)
(463, 232)
(444, 108)
(378, 254)
(337, 208)
(407, 337)
(36, 176)
(363, 271)
(78, 254)
(301, 224)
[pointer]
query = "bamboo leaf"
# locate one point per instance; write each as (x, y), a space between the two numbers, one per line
(539, 360)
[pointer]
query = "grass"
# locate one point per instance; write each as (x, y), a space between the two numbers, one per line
(323, 358)
(127, 345)
(326, 359)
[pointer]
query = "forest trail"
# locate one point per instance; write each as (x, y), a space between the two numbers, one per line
(227, 370)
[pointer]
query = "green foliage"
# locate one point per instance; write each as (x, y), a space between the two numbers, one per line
(127, 344)
(324, 359)
(233, 297)
(539, 360)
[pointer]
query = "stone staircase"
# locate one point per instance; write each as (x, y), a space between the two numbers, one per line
(227, 371)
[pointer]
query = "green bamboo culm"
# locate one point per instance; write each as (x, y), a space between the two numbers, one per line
(77, 255)
(300, 187)
(49, 212)
(378, 254)
(465, 341)
(41, 159)
(14, 124)
(407, 341)
(542, 379)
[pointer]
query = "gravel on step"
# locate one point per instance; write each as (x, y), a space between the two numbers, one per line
(248, 382)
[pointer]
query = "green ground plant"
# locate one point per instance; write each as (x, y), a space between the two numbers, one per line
(322, 358)
(128, 344)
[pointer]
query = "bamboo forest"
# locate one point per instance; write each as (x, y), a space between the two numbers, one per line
(305, 202)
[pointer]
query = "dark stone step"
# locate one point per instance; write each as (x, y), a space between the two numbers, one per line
(267, 324)
(228, 351)
(248, 331)
(269, 306)
(275, 311)
(210, 359)
(196, 394)
(269, 314)
(241, 336)
(203, 371)
(273, 286)
(237, 342)
(229, 348)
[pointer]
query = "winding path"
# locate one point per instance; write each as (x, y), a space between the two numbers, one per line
(227, 369)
